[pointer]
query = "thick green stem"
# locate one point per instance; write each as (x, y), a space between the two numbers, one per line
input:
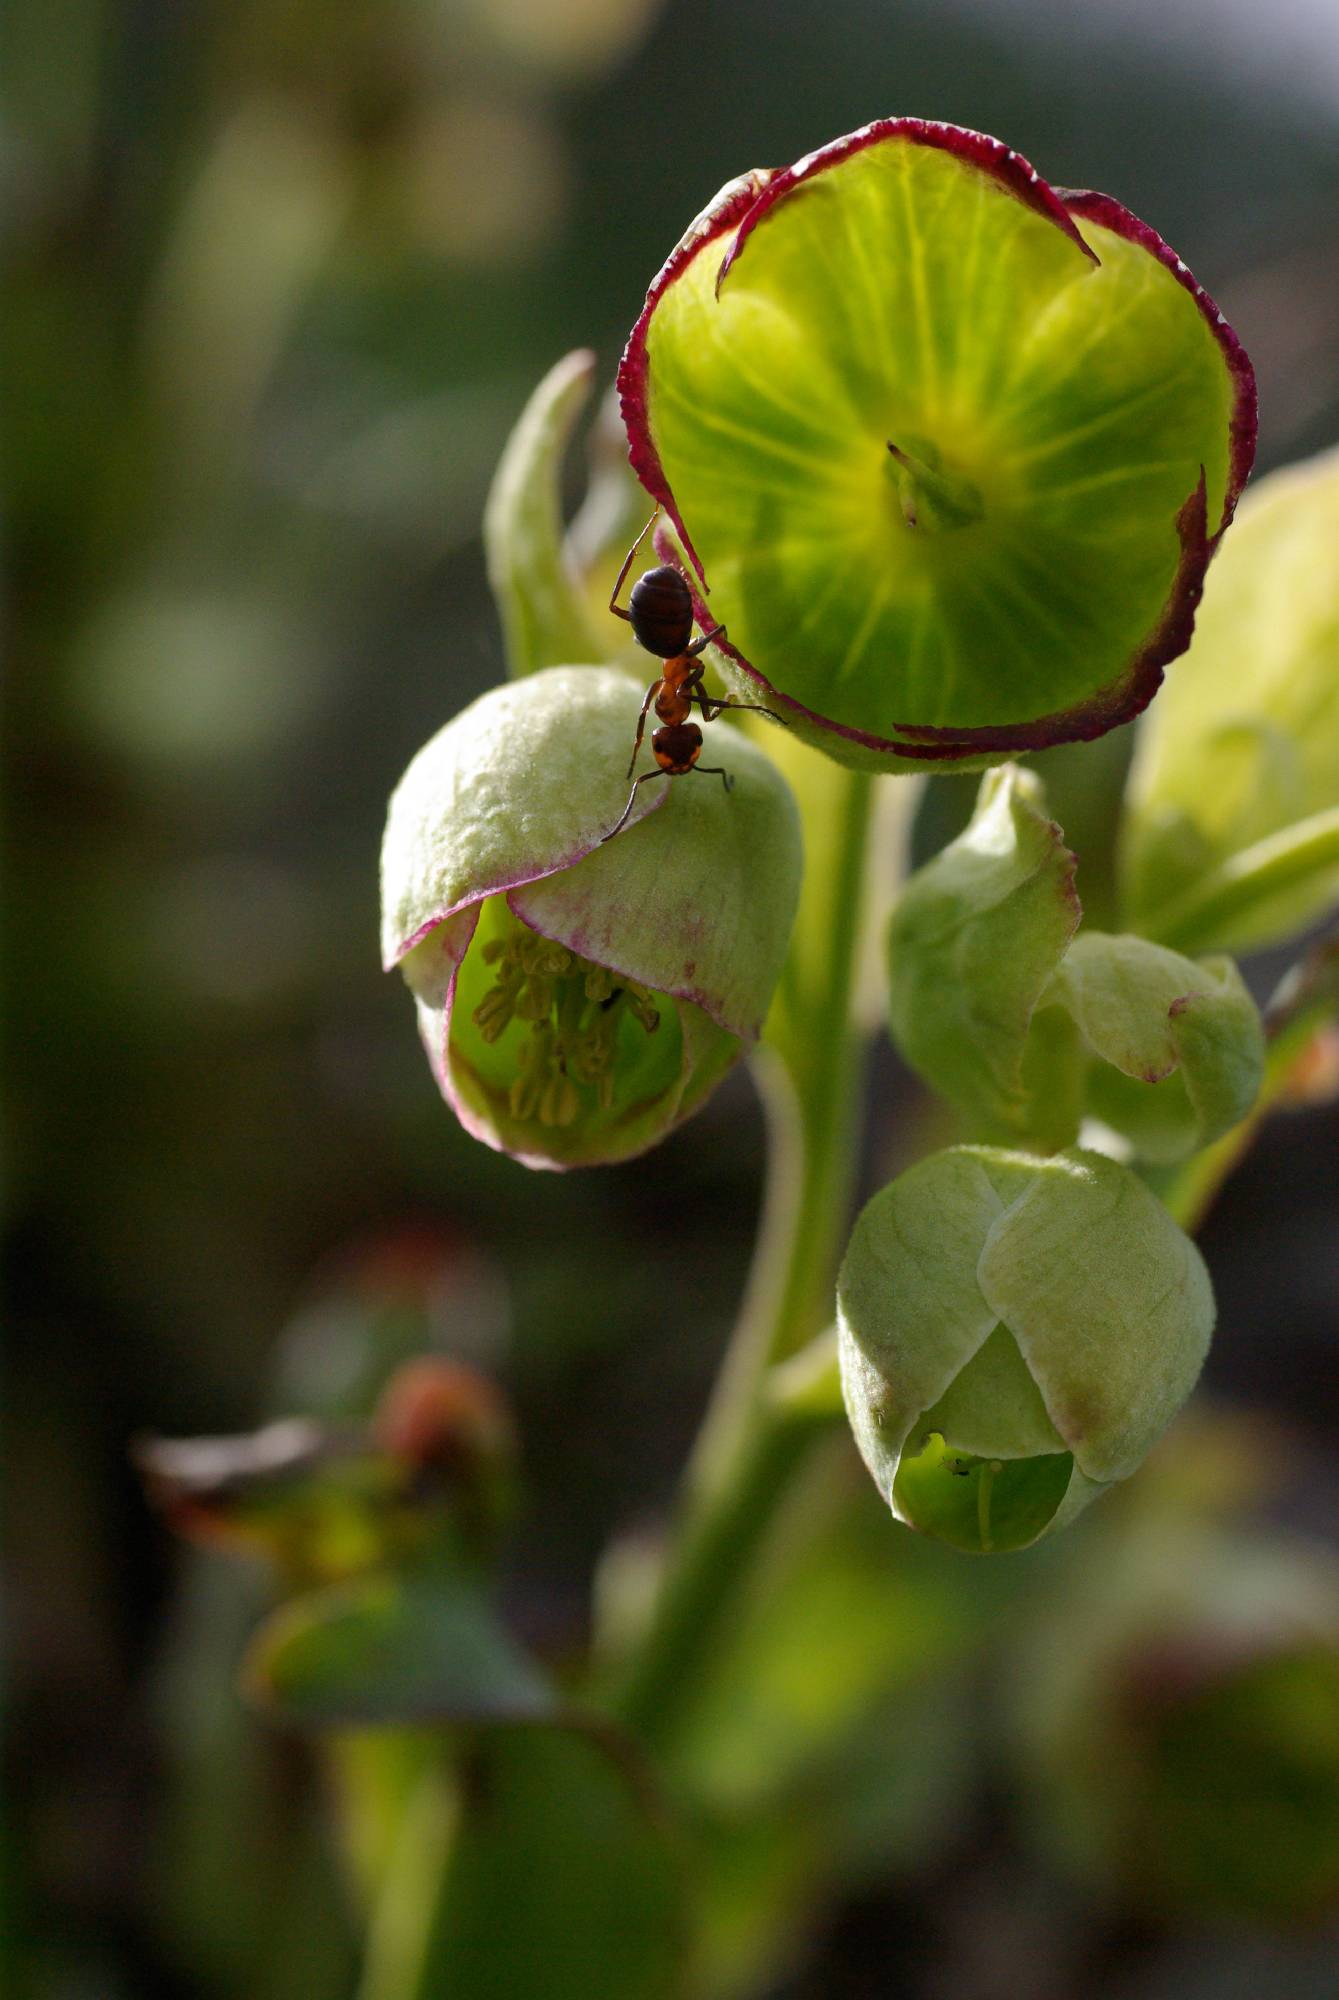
(751, 1445)
(808, 1075)
(712, 1553)
(824, 1052)
(399, 1942)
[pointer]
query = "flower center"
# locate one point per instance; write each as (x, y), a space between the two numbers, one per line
(574, 1009)
(930, 496)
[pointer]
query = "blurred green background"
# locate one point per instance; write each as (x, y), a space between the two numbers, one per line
(279, 279)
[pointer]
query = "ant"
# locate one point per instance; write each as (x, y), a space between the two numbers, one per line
(661, 617)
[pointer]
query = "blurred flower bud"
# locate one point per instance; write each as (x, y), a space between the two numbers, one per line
(436, 1468)
(1231, 832)
(579, 998)
(1180, 1725)
(951, 448)
(316, 1502)
(1014, 1334)
(1025, 1026)
(451, 1428)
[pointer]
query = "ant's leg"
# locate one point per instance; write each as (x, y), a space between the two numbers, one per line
(641, 725)
(716, 632)
(619, 580)
(711, 709)
(714, 771)
(632, 797)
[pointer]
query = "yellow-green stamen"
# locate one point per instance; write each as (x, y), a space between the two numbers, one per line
(574, 1008)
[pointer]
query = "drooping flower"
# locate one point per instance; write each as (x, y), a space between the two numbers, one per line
(578, 997)
(1015, 1333)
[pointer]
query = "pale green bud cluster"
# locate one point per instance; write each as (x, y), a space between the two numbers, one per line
(1027, 1024)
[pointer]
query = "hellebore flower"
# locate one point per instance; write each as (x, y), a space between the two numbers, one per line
(579, 999)
(1015, 1333)
(950, 448)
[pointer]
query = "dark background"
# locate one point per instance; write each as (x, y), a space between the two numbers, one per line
(280, 278)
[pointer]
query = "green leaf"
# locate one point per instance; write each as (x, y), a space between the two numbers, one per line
(545, 622)
(1176, 1706)
(950, 449)
(546, 1869)
(974, 939)
(1232, 820)
(393, 1649)
(831, 1625)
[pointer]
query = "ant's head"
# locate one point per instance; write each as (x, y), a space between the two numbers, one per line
(661, 608)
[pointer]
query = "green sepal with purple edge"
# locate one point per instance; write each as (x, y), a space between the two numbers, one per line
(950, 449)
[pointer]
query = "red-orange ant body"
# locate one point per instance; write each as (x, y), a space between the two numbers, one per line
(661, 616)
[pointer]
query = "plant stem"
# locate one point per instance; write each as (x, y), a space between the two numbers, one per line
(751, 1446)
(712, 1553)
(400, 1934)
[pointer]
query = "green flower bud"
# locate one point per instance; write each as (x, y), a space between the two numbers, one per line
(1177, 1046)
(951, 448)
(1231, 833)
(579, 998)
(545, 618)
(974, 938)
(1025, 1026)
(1014, 1334)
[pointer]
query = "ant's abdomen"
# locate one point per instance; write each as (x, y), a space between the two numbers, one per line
(677, 747)
(662, 612)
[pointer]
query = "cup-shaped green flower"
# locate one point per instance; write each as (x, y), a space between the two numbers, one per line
(951, 449)
(1015, 1333)
(578, 997)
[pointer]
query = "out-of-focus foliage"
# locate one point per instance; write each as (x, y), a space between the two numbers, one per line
(1185, 1750)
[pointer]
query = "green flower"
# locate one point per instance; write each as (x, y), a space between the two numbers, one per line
(579, 998)
(951, 449)
(1015, 1334)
